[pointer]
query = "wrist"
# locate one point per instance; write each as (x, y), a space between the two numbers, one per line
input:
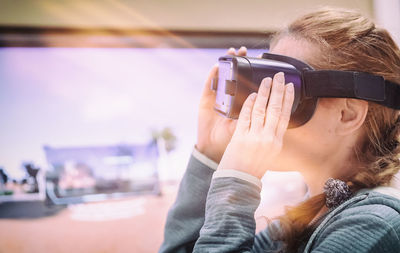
(208, 153)
(204, 159)
(229, 161)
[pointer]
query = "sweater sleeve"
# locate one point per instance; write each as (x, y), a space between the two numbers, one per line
(229, 223)
(186, 216)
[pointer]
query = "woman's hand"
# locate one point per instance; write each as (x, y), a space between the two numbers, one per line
(257, 139)
(214, 131)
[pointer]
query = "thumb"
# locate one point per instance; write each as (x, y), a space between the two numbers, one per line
(208, 95)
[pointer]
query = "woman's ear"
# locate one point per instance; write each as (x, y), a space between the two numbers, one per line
(353, 115)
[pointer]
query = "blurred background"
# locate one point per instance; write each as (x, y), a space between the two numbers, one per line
(98, 101)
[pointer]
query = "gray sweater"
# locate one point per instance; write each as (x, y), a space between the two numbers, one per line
(217, 215)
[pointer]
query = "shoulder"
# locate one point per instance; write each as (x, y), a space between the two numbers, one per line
(376, 204)
(369, 222)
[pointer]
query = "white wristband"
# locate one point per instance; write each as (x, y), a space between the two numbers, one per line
(204, 159)
(238, 174)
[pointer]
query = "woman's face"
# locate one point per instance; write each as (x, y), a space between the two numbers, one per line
(312, 143)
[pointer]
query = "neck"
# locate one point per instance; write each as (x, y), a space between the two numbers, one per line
(315, 182)
(335, 165)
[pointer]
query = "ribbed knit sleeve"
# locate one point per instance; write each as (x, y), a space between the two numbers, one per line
(229, 224)
(186, 216)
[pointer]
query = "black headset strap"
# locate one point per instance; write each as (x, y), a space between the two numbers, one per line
(349, 84)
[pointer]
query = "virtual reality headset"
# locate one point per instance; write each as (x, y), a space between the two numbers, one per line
(239, 76)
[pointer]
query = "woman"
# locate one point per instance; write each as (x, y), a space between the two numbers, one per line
(349, 148)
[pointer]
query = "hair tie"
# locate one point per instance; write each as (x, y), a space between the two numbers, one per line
(336, 192)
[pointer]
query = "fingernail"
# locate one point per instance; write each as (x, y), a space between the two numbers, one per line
(267, 81)
(253, 96)
(279, 77)
(290, 87)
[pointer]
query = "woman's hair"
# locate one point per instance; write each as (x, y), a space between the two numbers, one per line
(349, 41)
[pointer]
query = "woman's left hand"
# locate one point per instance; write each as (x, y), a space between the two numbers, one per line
(262, 123)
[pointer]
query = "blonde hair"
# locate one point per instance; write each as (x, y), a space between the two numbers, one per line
(350, 41)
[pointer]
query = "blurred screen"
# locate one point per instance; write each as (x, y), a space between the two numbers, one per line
(64, 98)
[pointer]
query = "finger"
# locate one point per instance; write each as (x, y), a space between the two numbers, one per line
(242, 51)
(208, 95)
(244, 120)
(260, 105)
(231, 51)
(286, 111)
(232, 126)
(275, 103)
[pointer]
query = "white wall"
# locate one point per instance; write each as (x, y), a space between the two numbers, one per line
(387, 15)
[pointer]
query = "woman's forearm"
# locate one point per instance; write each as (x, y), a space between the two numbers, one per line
(186, 216)
(229, 224)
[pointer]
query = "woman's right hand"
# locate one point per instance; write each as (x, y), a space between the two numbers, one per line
(214, 130)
